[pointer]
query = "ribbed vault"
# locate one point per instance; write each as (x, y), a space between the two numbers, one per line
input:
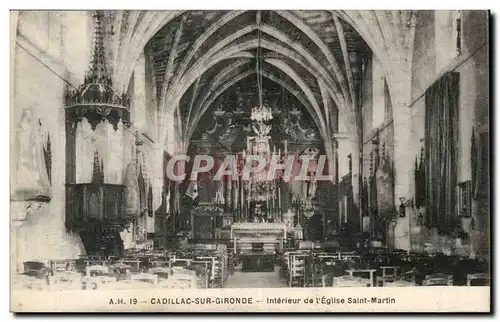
(196, 55)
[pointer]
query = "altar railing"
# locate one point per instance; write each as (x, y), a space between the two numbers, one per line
(267, 227)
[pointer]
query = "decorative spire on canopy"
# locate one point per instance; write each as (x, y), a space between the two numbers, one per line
(96, 99)
(98, 69)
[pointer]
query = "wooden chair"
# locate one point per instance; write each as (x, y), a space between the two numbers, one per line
(389, 274)
(202, 267)
(351, 281)
(329, 269)
(438, 279)
(478, 279)
(398, 282)
(35, 269)
(181, 262)
(370, 272)
(93, 261)
(96, 282)
(161, 263)
(133, 263)
(62, 265)
(145, 277)
(96, 270)
(181, 279)
(217, 270)
(297, 269)
(405, 279)
(65, 281)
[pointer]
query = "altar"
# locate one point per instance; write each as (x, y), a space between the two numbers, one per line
(256, 244)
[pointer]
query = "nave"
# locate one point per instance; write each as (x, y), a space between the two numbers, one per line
(378, 135)
(216, 266)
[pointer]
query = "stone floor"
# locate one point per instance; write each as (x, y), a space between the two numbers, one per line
(255, 280)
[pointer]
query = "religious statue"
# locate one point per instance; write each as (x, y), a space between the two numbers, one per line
(230, 129)
(30, 179)
(288, 218)
(140, 233)
(127, 237)
(310, 133)
(313, 185)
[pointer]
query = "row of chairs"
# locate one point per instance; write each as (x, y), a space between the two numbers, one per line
(313, 269)
(166, 270)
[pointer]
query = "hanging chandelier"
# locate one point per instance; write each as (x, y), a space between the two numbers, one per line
(309, 209)
(305, 205)
(261, 114)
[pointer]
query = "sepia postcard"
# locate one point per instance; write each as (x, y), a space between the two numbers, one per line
(250, 161)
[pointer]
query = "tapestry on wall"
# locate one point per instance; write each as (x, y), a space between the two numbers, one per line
(441, 146)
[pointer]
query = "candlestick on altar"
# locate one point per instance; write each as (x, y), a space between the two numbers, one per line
(249, 195)
(279, 200)
(272, 206)
(242, 203)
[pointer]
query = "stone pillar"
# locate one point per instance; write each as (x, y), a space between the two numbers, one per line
(18, 217)
(404, 160)
(16, 260)
(138, 110)
(356, 176)
(19, 214)
(481, 211)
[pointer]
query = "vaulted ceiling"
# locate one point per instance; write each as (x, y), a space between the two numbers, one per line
(195, 56)
(200, 54)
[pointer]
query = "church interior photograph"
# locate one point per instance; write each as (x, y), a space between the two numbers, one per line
(384, 115)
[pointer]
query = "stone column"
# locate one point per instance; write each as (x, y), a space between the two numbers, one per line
(404, 160)
(15, 253)
(19, 213)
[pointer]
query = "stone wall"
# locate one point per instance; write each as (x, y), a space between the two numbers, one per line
(42, 52)
(51, 51)
(432, 59)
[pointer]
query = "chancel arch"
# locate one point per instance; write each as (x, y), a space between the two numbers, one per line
(351, 99)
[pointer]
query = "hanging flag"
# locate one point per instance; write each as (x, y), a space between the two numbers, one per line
(192, 190)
